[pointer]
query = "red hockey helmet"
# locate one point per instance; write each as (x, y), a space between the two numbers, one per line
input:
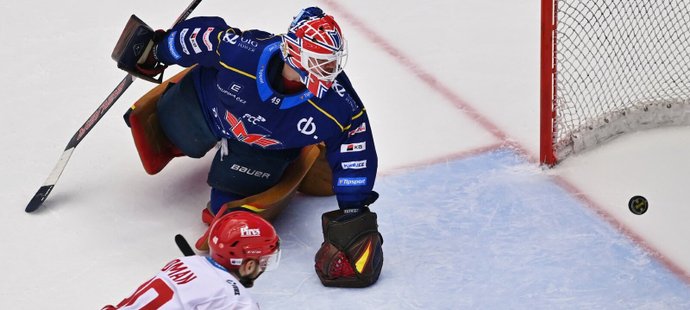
(241, 235)
(315, 47)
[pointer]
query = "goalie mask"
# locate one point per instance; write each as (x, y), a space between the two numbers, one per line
(314, 46)
(242, 235)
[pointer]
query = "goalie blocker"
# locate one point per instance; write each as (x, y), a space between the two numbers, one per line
(351, 254)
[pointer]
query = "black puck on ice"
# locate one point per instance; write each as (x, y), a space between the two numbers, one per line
(638, 205)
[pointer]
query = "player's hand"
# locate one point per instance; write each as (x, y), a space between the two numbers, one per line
(148, 64)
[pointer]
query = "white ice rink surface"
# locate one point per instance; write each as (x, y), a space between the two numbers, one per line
(467, 223)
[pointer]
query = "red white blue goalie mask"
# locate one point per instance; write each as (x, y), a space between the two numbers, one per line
(314, 46)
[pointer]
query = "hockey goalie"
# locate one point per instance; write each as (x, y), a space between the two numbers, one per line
(283, 117)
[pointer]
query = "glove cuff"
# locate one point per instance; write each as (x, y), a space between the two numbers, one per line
(343, 233)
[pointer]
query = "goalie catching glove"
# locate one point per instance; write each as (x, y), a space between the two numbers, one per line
(135, 50)
(351, 254)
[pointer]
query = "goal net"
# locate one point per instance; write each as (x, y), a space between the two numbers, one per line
(609, 67)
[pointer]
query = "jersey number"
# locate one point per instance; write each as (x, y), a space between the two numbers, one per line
(163, 291)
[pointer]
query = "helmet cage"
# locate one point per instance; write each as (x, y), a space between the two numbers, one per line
(325, 67)
(267, 262)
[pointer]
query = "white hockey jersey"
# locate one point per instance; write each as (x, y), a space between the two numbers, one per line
(194, 282)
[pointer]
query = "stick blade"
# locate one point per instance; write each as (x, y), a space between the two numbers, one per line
(39, 198)
(184, 246)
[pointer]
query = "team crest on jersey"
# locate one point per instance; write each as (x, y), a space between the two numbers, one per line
(239, 130)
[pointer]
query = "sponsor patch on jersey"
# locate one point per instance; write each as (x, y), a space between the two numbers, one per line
(306, 126)
(360, 129)
(183, 33)
(352, 181)
(230, 37)
(236, 39)
(236, 87)
(250, 172)
(352, 102)
(353, 147)
(339, 89)
(235, 288)
(171, 46)
(207, 42)
(192, 40)
(359, 164)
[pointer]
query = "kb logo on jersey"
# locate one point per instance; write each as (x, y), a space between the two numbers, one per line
(353, 147)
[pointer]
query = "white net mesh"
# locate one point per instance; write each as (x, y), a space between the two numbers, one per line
(622, 65)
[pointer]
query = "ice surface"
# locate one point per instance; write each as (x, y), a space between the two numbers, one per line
(486, 232)
(467, 225)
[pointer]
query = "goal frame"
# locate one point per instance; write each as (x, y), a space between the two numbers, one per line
(547, 82)
(657, 108)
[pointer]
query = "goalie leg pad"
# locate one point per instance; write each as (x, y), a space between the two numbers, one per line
(351, 254)
(154, 148)
(319, 179)
(182, 119)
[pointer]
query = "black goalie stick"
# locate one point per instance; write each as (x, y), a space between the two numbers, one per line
(49, 183)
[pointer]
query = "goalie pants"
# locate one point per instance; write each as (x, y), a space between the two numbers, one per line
(244, 171)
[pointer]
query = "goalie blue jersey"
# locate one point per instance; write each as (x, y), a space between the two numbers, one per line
(239, 85)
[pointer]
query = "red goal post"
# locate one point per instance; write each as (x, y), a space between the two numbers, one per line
(609, 67)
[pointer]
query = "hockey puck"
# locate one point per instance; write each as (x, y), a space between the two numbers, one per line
(638, 205)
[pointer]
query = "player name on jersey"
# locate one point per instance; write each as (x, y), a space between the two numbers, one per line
(179, 272)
